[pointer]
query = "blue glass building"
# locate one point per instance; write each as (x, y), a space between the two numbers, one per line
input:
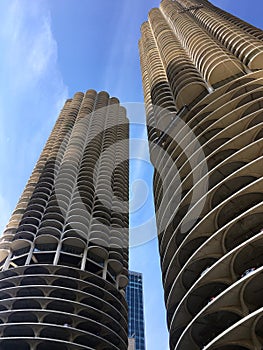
(134, 296)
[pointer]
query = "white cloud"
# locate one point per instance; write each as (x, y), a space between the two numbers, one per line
(43, 49)
(32, 91)
(30, 49)
(29, 60)
(110, 75)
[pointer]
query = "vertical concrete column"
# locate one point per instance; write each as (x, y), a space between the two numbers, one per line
(152, 132)
(145, 78)
(118, 251)
(161, 93)
(185, 80)
(73, 157)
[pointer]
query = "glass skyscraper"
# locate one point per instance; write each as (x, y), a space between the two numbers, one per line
(134, 296)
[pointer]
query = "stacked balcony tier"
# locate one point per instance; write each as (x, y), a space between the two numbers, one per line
(71, 218)
(203, 86)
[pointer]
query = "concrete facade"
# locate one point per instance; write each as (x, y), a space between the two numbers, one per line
(202, 72)
(64, 253)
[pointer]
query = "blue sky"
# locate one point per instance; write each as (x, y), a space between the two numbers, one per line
(49, 50)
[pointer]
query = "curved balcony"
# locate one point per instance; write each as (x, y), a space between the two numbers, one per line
(55, 314)
(207, 263)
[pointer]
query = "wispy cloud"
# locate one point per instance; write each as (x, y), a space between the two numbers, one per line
(32, 90)
(110, 74)
(123, 52)
(142, 216)
(30, 48)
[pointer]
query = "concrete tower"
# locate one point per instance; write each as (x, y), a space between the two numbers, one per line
(202, 72)
(64, 250)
